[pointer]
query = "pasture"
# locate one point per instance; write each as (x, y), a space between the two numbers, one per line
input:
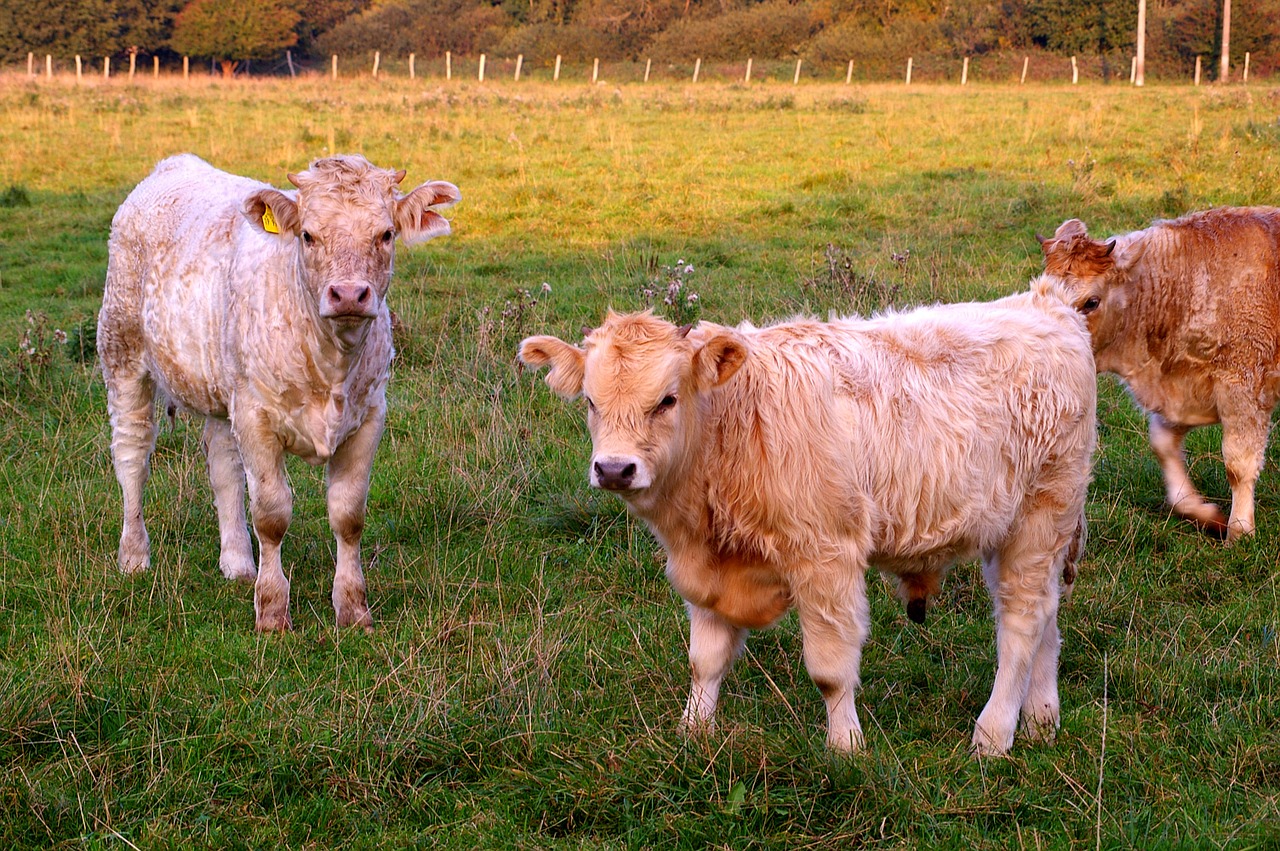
(527, 669)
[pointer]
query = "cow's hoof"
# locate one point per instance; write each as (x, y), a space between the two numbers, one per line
(238, 569)
(356, 616)
(985, 745)
(274, 623)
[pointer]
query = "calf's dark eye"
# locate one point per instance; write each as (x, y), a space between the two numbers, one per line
(307, 237)
(667, 403)
(1090, 304)
(387, 236)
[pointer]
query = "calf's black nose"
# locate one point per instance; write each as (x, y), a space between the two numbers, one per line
(614, 474)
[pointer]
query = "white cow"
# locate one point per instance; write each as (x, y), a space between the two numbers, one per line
(264, 311)
(776, 464)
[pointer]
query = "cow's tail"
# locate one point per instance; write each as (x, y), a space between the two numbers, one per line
(1075, 552)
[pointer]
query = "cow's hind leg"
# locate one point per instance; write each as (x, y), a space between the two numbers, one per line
(131, 405)
(835, 620)
(1245, 425)
(1167, 442)
(226, 475)
(349, 472)
(1023, 579)
(714, 644)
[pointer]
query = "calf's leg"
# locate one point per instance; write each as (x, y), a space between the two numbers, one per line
(1244, 445)
(835, 620)
(348, 473)
(131, 405)
(226, 475)
(1166, 441)
(1023, 579)
(271, 506)
(714, 644)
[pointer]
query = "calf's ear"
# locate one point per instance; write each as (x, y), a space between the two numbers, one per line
(416, 216)
(274, 212)
(567, 363)
(718, 359)
(1071, 227)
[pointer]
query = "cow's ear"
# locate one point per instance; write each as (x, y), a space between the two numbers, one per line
(274, 212)
(416, 216)
(718, 359)
(1126, 254)
(567, 363)
(1071, 227)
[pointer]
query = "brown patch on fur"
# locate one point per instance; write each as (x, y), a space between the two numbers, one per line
(751, 594)
(827, 688)
(1077, 256)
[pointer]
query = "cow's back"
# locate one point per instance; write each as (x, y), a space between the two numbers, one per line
(926, 431)
(173, 243)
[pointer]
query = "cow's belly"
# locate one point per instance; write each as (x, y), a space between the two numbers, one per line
(1182, 399)
(187, 369)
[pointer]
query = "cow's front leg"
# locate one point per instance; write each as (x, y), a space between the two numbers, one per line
(349, 472)
(835, 620)
(271, 506)
(714, 644)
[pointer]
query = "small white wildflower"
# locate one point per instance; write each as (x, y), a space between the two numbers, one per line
(546, 288)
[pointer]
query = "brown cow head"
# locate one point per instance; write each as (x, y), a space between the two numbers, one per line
(1093, 273)
(345, 216)
(642, 377)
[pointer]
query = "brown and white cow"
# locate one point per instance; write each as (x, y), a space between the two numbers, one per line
(264, 311)
(1187, 313)
(776, 464)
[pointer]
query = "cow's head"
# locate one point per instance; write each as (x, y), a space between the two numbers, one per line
(643, 378)
(1093, 273)
(345, 217)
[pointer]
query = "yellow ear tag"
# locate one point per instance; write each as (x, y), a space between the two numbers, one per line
(269, 221)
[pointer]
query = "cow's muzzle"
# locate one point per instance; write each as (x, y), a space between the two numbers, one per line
(348, 301)
(615, 473)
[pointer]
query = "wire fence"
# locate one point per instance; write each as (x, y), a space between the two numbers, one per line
(1001, 68)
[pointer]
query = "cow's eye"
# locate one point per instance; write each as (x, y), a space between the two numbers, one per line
(387, 236)
(1090, 304)
(668, 402)
(308, 238)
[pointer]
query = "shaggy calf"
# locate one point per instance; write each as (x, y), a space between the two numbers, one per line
(1187, 313)
(775, 464)
(264, 311)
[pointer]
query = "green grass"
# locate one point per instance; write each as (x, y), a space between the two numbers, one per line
(523, 685)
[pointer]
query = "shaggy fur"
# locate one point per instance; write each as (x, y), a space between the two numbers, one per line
(1187, 313)
(263, 311)
(776, 464)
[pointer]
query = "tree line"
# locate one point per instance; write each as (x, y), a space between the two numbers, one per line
(875, 34)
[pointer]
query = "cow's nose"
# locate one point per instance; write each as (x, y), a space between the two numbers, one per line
(348, 299)
(615, 474)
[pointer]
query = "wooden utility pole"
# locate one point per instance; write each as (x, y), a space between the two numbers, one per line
(1140, 67)
(1224, 69)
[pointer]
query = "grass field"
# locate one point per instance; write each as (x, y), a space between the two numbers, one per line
(527, 671)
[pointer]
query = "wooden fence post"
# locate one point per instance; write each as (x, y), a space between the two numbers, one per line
(411, 74)
(1075, 71)
(334, 66)
(31, 63)
(448, 64)
(964, 72)
(1026, 60)
(482, 67)
(595, 71)
(133, 63)
(186, 67)
(77, 69)
(377, 58)
(697, 66)
(1197, 70)
(648, 63)
(796, 80)
(519, 63)
(155, 67)
(848, 75)
(48, 67)
(747, 77)
(909, 70)
(555, 77)
(106, 67)
(1133, 71)
(288, 57)
(1245, 78)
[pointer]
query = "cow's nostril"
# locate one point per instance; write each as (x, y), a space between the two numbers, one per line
(627, 472)
(364, 295)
